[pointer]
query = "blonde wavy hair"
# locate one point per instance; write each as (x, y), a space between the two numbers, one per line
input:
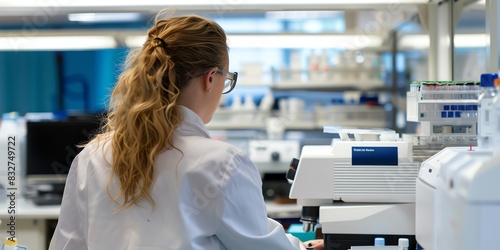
(143, 112)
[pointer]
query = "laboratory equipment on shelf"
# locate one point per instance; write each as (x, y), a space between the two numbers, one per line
(357, 188)
(273, 155)
(444, 107)
(271, 158)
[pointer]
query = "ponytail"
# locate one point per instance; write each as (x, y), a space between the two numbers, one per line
(143, 112)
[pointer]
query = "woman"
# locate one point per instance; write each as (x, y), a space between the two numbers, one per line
(153, 179)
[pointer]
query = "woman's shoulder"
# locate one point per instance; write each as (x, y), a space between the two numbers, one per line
(203, 145)
(216, 154)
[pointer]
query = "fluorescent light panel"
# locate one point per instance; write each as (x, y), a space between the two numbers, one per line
(304, 41)
(461, 41)
(289, 41)
(290, 15)
(239, 41)
(104, 17)
(57, 43)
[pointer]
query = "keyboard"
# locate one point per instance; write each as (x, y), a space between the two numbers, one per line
(46, 200)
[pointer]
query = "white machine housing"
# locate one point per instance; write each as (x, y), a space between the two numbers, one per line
(435, 172)
(361, 187)
(468, 202)
(368, 219)
(327, 173)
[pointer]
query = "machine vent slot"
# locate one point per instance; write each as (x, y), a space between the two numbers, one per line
(374, 180)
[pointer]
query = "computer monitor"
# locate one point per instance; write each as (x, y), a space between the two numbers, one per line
(51, 147)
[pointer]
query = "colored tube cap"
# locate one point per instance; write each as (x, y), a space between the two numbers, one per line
(487, 79)
(496, 82)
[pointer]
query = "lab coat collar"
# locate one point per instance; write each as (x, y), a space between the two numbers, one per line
(192, 124)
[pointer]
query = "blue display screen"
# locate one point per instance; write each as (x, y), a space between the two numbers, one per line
(378, 156)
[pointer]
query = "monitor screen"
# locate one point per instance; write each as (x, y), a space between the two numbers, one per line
(51, 146)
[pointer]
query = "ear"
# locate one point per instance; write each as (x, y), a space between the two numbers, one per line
(208, 79)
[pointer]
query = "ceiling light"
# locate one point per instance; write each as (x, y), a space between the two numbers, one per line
(471, 40)
(57, 43)
(104, 17)
(289, 15)
(421, 41)
(289, 41)
(304, 41)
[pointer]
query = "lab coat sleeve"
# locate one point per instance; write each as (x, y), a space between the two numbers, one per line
(241, 211)
(69, 232)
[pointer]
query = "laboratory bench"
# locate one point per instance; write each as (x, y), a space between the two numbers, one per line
(35, 224)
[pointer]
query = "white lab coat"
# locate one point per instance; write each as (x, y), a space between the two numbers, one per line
(207, 197)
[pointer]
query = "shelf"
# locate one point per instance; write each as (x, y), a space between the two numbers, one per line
(340, 68)
(302, 126)
(359, 116)
(298, 126)
(326, 87)
(334, 87)
(221, 125)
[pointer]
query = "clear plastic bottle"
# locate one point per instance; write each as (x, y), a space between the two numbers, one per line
(486, 118)
(496, 108)
(11, 244)
(403, 244)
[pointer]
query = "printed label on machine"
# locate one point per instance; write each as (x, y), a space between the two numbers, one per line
(387, 156)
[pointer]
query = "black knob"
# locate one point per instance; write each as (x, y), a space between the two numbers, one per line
(290, 174)
(275, 156)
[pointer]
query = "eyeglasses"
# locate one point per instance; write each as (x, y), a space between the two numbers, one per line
(230, 83)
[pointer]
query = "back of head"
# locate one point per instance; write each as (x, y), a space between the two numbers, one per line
(143, 113)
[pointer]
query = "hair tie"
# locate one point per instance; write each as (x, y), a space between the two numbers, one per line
(163, 44)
